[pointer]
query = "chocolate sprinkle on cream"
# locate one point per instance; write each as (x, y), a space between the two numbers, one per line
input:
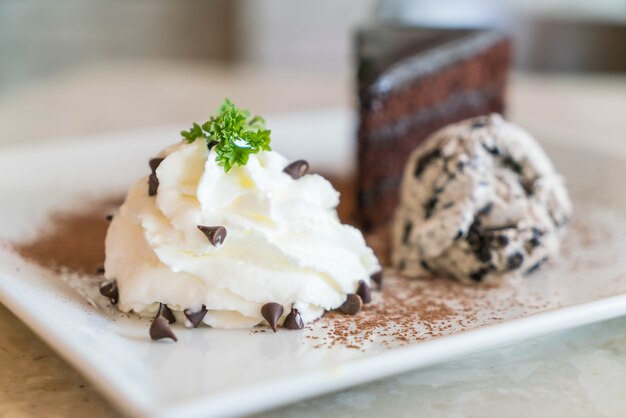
(153, 181)
(153, 185)
(272, 312)
(215, 234)
(154, 163)
(297, 169)
(364, 292)
(109, 289)
(161, 329)
(352, 305)
(293, 320)
(195, 318)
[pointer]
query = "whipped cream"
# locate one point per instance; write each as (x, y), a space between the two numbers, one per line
(284, 242)
(479, 200)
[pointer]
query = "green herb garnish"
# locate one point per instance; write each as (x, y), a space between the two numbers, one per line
(233, 134)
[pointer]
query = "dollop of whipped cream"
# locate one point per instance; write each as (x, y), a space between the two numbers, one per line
(480, 200)
(284, 241)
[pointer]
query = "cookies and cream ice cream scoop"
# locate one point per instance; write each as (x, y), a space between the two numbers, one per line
(479, 200)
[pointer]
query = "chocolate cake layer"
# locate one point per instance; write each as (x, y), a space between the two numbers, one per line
(413, 81)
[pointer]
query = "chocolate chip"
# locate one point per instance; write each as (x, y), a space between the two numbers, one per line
(424, 160)
(492, 150)
(479, 123)
(153, 181)
(474, 234)
(293, 320)
(536, 266)
(535, 241)
(154, 163)
(510, 163)
(352, 305)
(153, 184)
(503, 240)
(109, 218)
(166, 313)
(160, 329)
(100, 270)
(486, 209)
(364, 292)
(529, 187)
(297, 169)
(478, 276)
(215, 234)
(378, 279)
(514, 261)
(109, 290)
(195, 317)
(272, 312)
(406, 234)
(429, 207)
(484, 255)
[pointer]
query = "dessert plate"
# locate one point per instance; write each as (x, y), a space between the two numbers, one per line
(213, 372)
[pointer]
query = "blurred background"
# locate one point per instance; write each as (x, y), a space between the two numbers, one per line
(82, 66)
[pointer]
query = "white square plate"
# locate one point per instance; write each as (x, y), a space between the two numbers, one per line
(217, 372)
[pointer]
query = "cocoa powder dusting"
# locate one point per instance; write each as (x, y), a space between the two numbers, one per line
(407, 311)
(72, 240)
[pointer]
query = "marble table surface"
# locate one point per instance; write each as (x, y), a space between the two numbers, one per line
(576, 373)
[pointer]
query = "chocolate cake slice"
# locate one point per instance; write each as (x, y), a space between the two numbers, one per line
(411, 82)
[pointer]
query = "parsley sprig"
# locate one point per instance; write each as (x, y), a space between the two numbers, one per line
(233, 134)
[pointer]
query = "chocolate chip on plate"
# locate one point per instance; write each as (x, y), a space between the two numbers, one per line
(215, 234)
(293, 320)
(272, 312)
(195, 318)
(352, 305)
(378, 279)
(364, 292)
(160, 328)
(297, 169)
(109, 290)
